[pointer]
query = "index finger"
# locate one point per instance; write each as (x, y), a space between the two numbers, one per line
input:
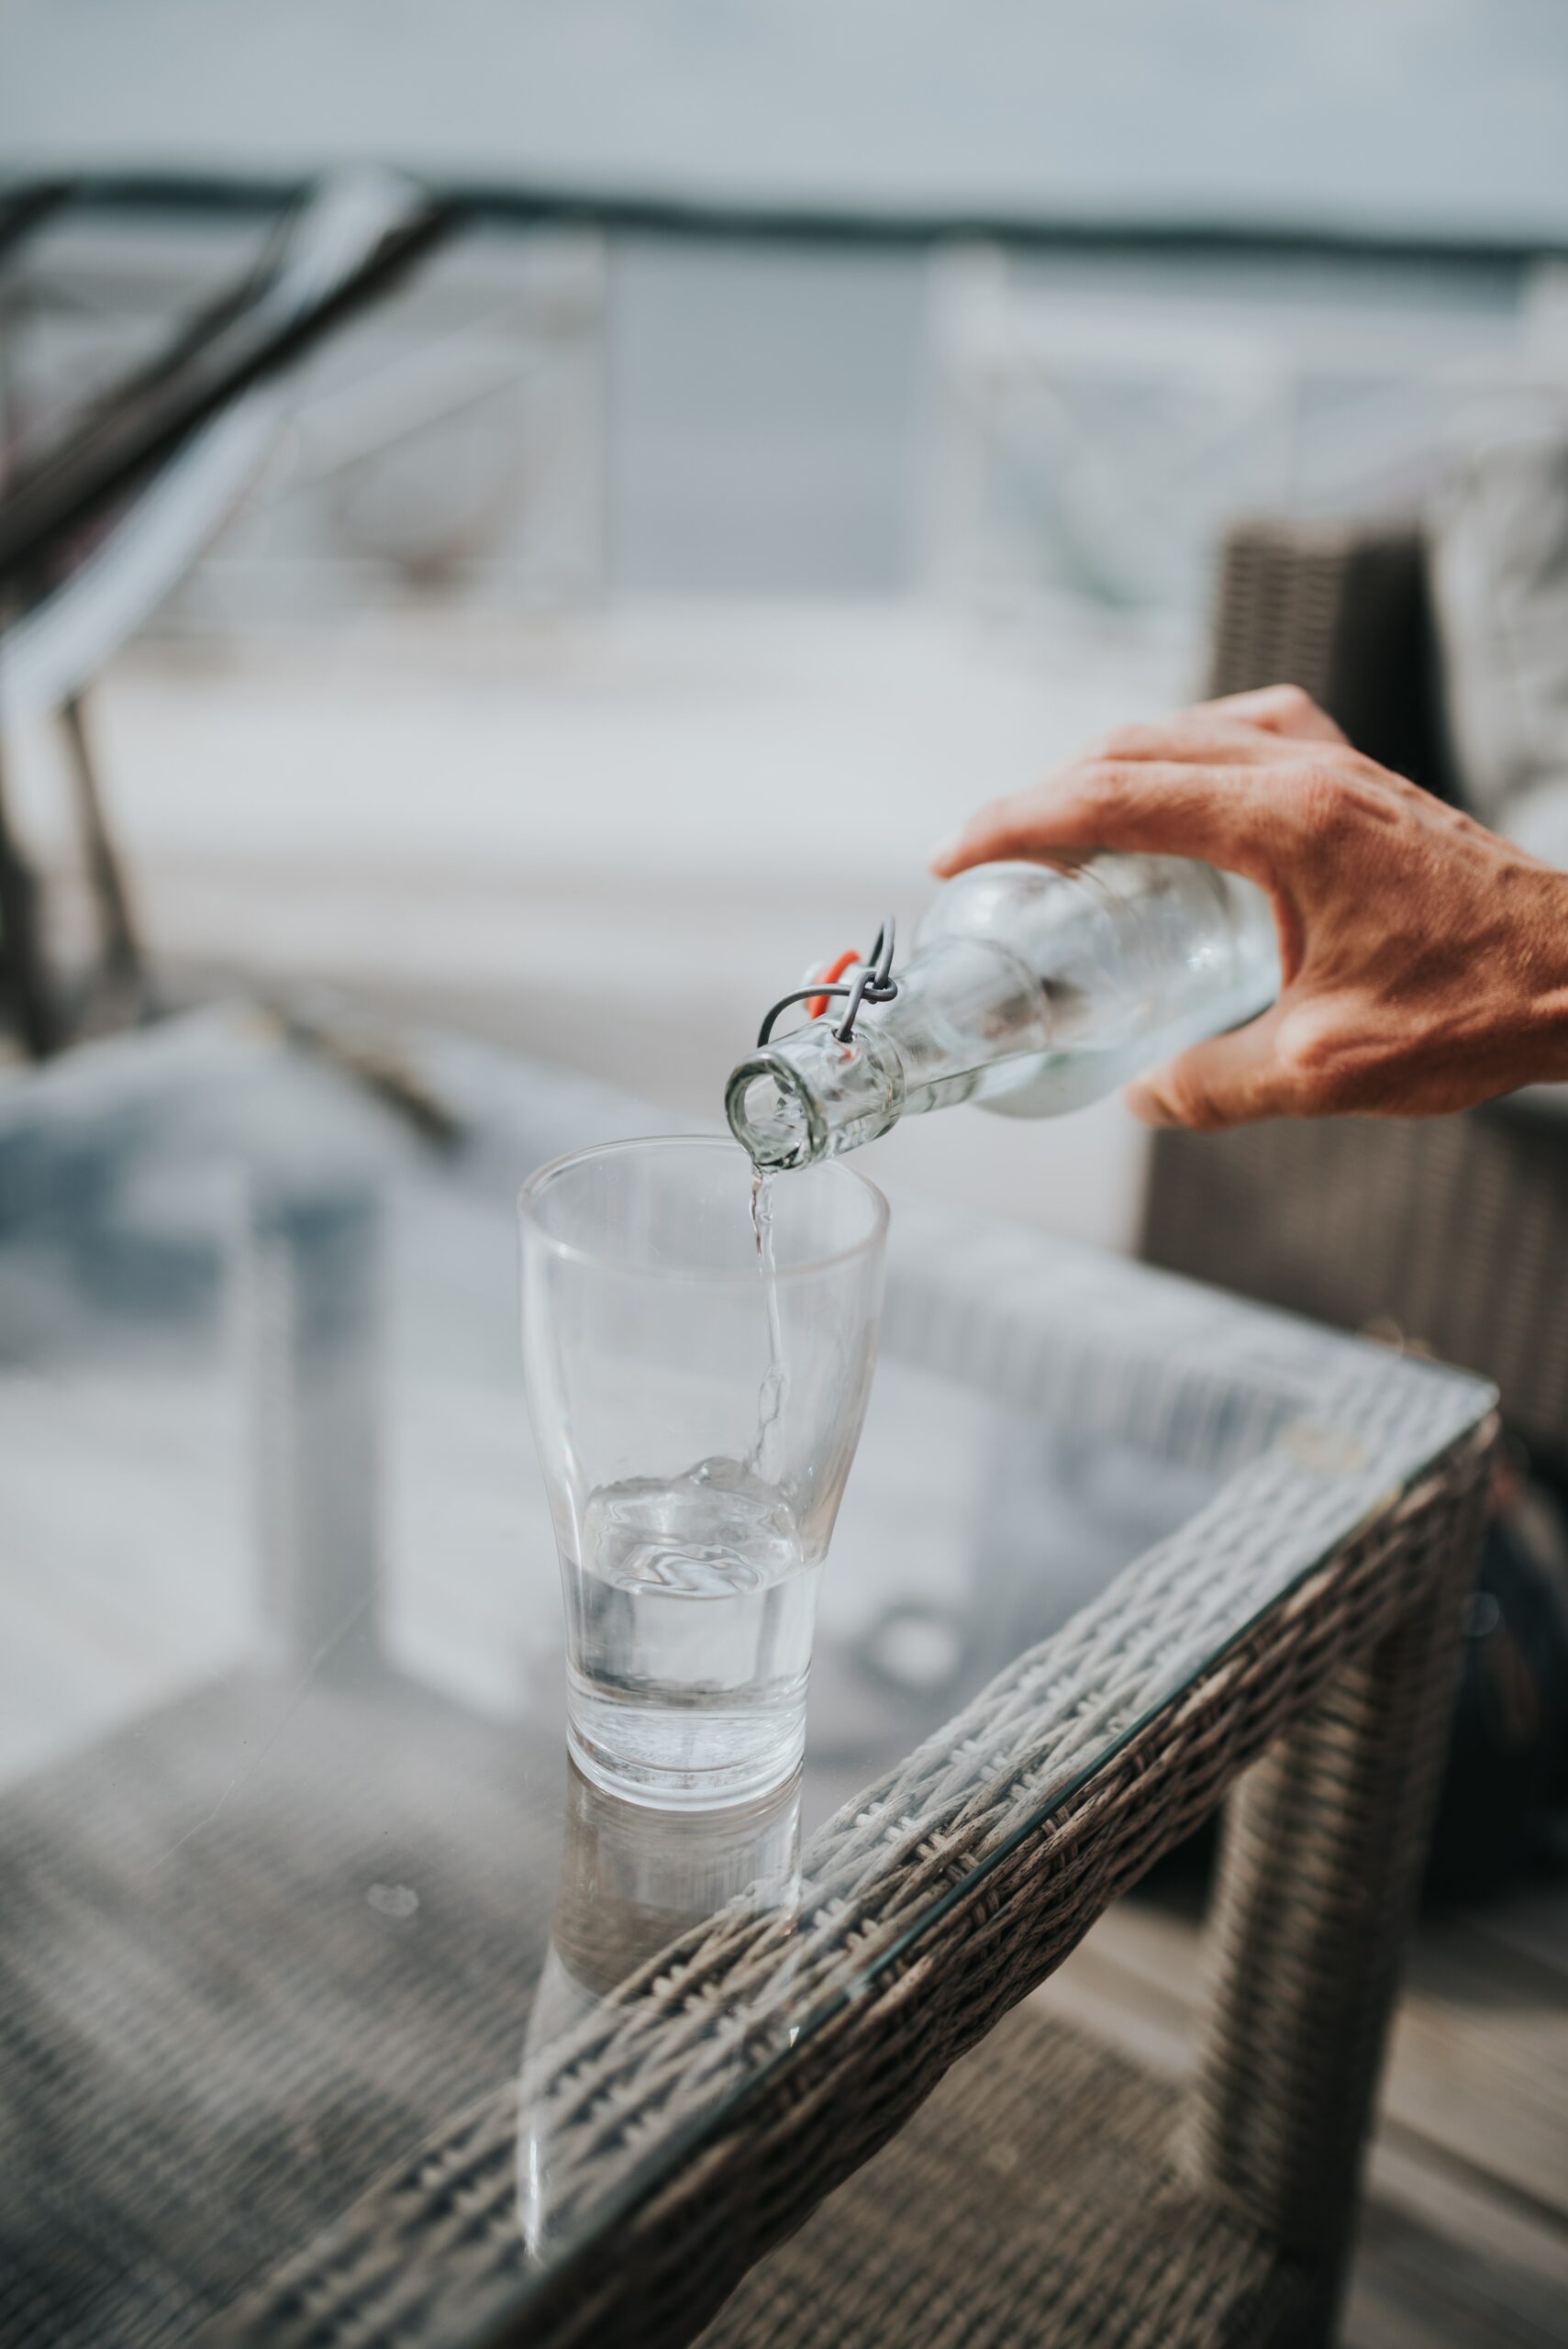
(1225, 815)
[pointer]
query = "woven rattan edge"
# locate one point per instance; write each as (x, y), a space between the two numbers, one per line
(1011, 1927)
(432, 2252)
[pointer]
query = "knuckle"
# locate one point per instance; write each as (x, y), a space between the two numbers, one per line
(1188, 1099)
(1105, 783)
(1131, 741)
(1306, 1048)
(1323, 805)
(1321, 1058)
(1290, 701)
(1290, 710)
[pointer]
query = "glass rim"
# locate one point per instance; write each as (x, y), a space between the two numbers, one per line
(543, 1176)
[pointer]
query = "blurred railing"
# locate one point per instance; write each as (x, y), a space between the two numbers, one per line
(1094, 446)
(609, 211)
(1085, 442)
(408, 446)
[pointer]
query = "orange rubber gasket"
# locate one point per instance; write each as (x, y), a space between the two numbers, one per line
(834, 970)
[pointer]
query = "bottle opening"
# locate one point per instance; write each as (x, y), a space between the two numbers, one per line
(770, 1114)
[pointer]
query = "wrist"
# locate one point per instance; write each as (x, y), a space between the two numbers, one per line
(1551, 996)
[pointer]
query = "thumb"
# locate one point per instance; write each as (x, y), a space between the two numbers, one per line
(1227, 1081)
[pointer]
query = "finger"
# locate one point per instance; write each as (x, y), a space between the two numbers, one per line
(1197, 734)
(1228, 1081)
(1237, 730)
(1226, 816)
(1278, 709)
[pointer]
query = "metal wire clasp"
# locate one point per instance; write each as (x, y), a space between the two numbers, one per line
(873, 983)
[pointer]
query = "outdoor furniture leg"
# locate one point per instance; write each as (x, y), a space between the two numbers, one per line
(122, 956)
(1320, 1869)
(21, 954)
(313, 1321)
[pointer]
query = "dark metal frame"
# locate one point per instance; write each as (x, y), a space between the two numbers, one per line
(211, 360)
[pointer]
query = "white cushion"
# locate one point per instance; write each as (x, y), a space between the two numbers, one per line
(1500, 593)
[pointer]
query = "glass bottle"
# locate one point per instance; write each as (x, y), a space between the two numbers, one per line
(1032, 989)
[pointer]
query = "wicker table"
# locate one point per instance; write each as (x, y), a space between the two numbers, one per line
(333, 2010)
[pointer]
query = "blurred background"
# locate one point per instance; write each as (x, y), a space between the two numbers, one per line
(788, 428)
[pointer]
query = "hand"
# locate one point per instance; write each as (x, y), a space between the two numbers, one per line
(1424, 961)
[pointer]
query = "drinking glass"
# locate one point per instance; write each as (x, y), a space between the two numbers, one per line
(698, 1344)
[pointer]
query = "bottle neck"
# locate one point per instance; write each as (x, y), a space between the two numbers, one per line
(963, 1005)
(809, 1097)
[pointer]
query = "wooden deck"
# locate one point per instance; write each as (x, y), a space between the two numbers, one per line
(1464, 2241)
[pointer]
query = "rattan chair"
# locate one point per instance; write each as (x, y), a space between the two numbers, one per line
(1452, 1232)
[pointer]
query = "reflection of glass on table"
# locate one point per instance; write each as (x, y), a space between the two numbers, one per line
(634, 1884)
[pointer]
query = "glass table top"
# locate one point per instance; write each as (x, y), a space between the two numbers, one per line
(292, 1868)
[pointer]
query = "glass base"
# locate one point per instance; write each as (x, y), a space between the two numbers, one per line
(677, 1758)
